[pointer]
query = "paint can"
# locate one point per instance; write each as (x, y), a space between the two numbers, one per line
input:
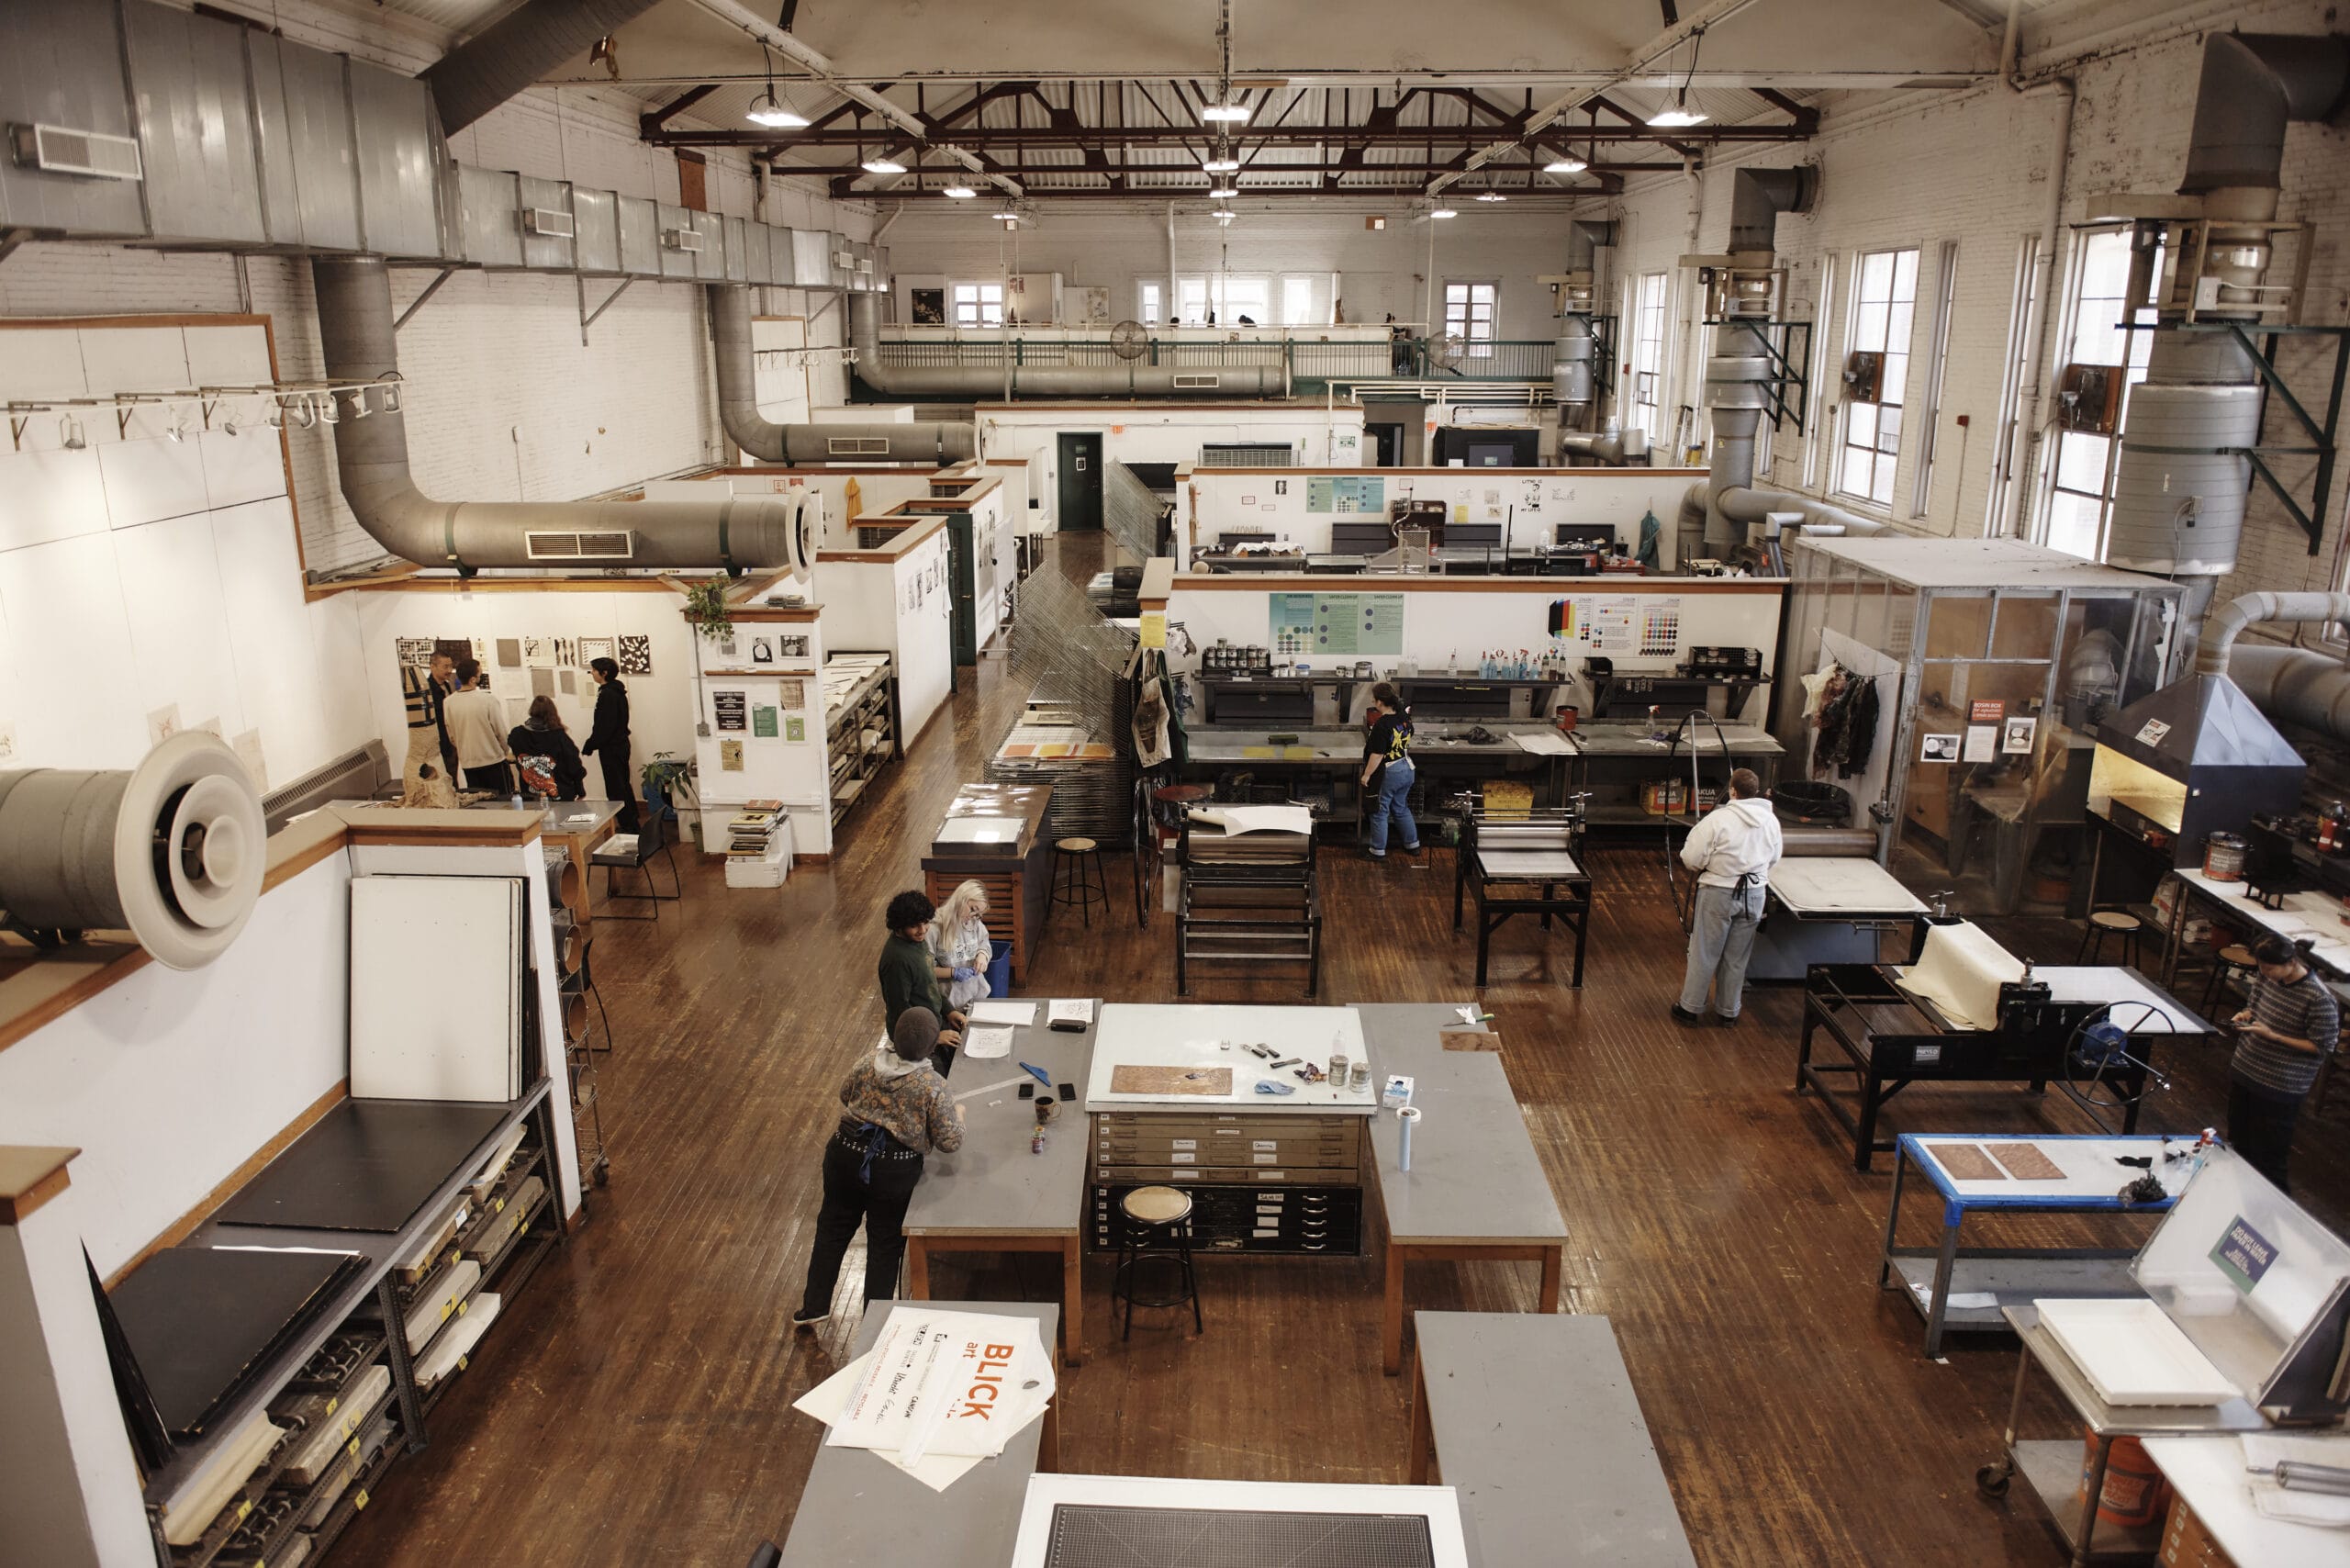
(1361, 1075)
(1338, 1067)
(2223, 857)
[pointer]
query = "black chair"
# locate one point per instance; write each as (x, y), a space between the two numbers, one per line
(651, 840)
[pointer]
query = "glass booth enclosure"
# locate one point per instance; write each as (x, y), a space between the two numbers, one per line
(1993, 661)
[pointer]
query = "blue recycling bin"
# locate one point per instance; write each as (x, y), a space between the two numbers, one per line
(1000, 970)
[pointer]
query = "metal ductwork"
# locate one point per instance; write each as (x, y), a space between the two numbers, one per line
(517, 50)
(2295, 686)
(1757, 196)
(738, 409)
(2182, 478)
(2219, 635)
(1570, 375)
(1127, 378)
(1625, 449)
(737, 532)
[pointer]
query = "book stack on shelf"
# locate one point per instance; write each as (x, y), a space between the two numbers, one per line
(758, 846)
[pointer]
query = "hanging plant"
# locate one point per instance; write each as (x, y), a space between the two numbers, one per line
(707, 608)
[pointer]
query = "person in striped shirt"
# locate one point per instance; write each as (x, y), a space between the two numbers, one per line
(2283, 1036)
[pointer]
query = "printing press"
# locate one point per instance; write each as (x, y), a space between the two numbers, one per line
(1523, 863)
(1966, 1010)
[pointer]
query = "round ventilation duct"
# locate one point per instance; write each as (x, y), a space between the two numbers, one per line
(172, 851)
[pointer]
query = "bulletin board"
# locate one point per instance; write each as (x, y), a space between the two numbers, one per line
(1346, 494)
(1307, 625)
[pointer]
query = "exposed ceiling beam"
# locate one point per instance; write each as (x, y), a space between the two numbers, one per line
(648, 124)
(1508, 176)
(1806, 118)
(1374, 132)
(1684, 145)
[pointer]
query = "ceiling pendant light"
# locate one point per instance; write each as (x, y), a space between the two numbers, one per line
(1492, 196)
(1221, 165)
(1681, 115)
(1569, 165)
(1220, 191)
(958, 193)
(1230, 114)
(1444, 212)
(882, 164)
(768, 110)
(1223, 214)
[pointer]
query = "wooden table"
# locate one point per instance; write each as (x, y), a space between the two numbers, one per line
(993, 1194)
(1476, 1191)
(1539, 1434)
(1019, 884)
(860, 1511)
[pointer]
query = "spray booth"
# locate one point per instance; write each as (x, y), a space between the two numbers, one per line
(1993, 663)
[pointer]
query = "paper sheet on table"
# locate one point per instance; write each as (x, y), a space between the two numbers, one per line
(1542, 743)
(941, 1381)
(983, 1042)
(2264, 1452)
(1021, 1012)
(1236, 820)
(938, 1471)
(1960, 971)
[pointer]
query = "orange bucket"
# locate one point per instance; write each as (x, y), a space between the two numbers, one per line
(2136, 1492)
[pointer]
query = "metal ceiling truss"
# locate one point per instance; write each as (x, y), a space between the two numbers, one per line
(1110, 131)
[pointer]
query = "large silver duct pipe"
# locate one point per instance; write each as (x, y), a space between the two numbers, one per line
(1757, 196)
(2220, 634)
(1630, 449)
(1744, 297)
(1129, 378)
(738, 409)
(736, 532)
(1571, 372)
(2182, 482)
(517, 50)
(2295, 686)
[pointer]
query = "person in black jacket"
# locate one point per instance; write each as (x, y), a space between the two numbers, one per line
(607, 740)
(540, 738)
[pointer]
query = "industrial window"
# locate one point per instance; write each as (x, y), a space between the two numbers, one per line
(2022, 310)
(2081, 494)
(1230, 294)
(1937, 356)
(1297, 303)
(1152, 300)
(1469, 315)
(1876, 367)
(1648, 353)
(979, 304)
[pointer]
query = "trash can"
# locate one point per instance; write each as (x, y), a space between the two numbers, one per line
(1000, 969)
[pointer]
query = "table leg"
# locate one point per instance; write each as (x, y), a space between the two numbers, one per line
(1546, 905)
(1939, 1304)
(1073, 1302)
(1553, 1265)
(1864, 1129)
(917, 1269)
(1484, 942)
(1892, 1217)
(1422, 1439)
(1583, 930)
(2175, 937)
(1049, 1442)
(1391, 1327)
(2095, 1490)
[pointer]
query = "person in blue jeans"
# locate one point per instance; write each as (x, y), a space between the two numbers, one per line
(1387, 771)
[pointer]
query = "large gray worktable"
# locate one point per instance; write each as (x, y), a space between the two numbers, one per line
(1536, 1428)
(1476, 1190)
(859, 1509)
(993, 1194)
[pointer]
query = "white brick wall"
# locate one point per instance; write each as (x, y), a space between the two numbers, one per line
(1897, 171)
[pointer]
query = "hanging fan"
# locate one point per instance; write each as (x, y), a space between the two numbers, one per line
(1128, 340)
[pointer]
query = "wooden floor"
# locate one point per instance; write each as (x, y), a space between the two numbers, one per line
(634, 1406)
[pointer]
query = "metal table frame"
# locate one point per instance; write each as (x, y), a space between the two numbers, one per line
(2061, 1280)
(1571, 907)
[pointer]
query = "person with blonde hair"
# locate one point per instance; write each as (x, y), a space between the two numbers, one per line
(961, 944)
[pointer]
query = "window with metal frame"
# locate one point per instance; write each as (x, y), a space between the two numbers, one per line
(1298, 305)
(978, 304)
(1469, 313)
(1151, 299)
(1937, 357)
(1884, 296)
(2080, 487)
(1230, 296)
(1647, 355)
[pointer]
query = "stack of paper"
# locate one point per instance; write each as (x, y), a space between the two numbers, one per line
(939, 1390)
(1023, 1013)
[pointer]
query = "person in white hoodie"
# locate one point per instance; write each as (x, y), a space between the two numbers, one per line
(1732, 851)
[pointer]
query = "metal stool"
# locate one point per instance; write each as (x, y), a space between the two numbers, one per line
(1158, 1230)
(1072, 884)
(2104, 922)
(2233, 959)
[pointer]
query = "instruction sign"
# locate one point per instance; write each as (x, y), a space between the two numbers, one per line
(1336, 493)
(1304, 624)
(733, 708)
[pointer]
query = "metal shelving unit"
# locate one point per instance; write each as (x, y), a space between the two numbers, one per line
(852, 761)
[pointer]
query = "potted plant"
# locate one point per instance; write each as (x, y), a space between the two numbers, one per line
(707, 608)
(668, 784)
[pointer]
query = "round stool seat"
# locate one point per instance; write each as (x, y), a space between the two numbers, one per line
(1157, 1205)
(1075, 846)
(2116, 920)
(2236, 956)
(1182, 794)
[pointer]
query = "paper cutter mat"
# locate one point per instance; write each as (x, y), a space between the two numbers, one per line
(1090, 1535)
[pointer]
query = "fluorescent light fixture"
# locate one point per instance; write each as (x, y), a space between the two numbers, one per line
(959, 192)
(1220, 191)
(1234, 113)
(883, 166)
(1492, 196)
(767, 109)
(1444, 212)
(1009, 216)
(1566, 166)
(1221, 166)
(1680, 114)
(1226, 213)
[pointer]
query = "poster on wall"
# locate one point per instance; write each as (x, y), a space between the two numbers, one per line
(1981, 743)
(542, 683)
(1661, 629)
(510, 653)
(566, 651)
(795, 729)
(730, 755)
(732, 709)
(1336, 623)
(538, 652)
(455, 647)
(1346, 494)
(1938, 748)
(594, 648)
(569, 681)
(763, 721)
(1613, 617)
(635, 655)
(791, 647)
(792, 692)
(2017, 741)
(416, 653)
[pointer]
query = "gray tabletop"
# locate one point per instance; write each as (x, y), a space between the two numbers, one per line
(993, 1185)
(1541, 1437)
(858, 1509)
(1474, 1174)
(1527, 865)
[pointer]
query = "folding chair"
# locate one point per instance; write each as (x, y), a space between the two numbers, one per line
(651, 840)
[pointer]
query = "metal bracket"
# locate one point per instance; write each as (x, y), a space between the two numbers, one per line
(588, 317)
(418, 303)
(2322, 445)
